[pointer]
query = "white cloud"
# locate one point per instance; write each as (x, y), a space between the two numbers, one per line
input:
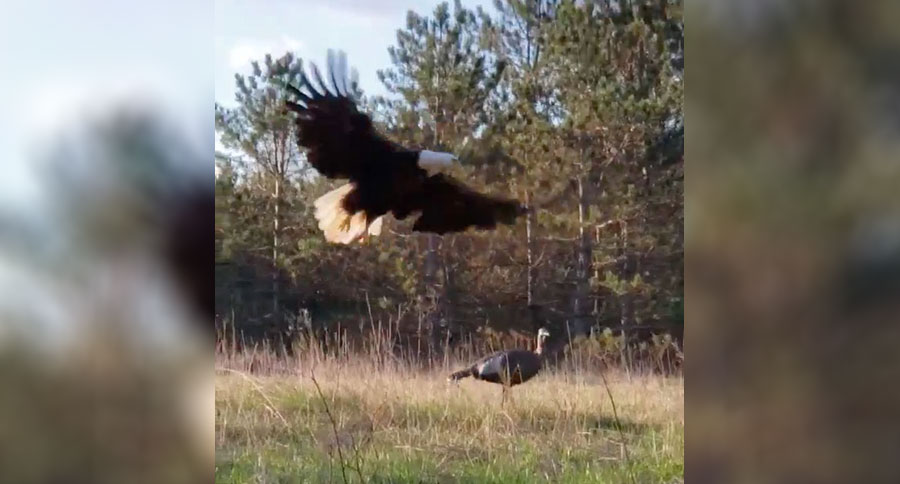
(241, 54)
(291, 43)
(246, 50)
(372, 10)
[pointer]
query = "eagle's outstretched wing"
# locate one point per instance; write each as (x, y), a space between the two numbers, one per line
(449, 206)
(339, 138)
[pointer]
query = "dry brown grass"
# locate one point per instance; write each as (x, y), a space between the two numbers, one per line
(377, 418)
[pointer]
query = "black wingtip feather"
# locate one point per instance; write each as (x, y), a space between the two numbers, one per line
(342, 68)
(294, 90)
(297, 108)
(304, 98)
(332, 71)
(305, 82)
(322, 84)
(339, 139)
(354, 79)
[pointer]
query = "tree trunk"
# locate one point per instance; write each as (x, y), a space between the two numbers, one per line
(581, 304)
(432, 296)
(433, 291)
(447, 306)
(626, 303)
(529, 244)
(276, 312)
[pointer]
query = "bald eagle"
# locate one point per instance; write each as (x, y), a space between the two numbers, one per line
(384, 177)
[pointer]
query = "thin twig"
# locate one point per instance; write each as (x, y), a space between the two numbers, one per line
(337, 437)
(355, 448)
(618, 427)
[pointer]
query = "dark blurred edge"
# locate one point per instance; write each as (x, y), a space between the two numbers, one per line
(190, 249)
(89, 398)
(793, 234)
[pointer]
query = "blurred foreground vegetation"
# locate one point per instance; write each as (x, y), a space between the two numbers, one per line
(793, 239)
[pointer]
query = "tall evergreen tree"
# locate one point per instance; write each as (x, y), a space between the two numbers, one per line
(263, 133)
(617, 88)
(441, 79)
(526, 133)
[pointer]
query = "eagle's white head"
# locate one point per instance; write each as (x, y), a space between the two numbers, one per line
(434, 161)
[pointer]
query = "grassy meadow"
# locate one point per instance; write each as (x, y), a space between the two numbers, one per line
(366, 419)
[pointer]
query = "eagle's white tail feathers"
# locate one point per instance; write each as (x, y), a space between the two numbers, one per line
(434, 162)
(339, 226)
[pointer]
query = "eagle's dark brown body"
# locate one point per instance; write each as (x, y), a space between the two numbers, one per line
(383, 177)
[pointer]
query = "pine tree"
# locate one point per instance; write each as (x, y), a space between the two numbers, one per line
(260, 130)
(441, 79)
(617, 88)
(526, 133)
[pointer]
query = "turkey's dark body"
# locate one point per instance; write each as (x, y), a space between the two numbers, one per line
(509, 368)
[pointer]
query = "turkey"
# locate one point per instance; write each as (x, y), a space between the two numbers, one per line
(508, 367)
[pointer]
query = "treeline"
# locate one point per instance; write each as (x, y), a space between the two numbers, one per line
(573, 106)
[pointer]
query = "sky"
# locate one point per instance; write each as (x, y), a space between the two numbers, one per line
(60, 58)
(364, 29)
(86, 54)
(64, 61)
(246, 30)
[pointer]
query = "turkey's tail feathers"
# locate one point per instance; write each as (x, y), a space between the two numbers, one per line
(337, 224)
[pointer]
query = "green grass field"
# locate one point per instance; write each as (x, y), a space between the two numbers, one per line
(398, 425)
